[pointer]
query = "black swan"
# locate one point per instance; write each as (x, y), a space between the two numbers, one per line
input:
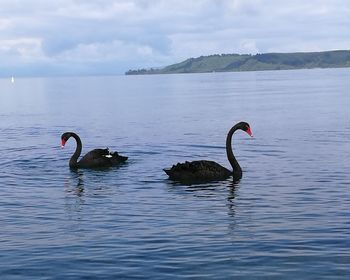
(98, 158)
(205, 170)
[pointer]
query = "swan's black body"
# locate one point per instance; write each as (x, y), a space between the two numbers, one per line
(205, 170)
(98, 158)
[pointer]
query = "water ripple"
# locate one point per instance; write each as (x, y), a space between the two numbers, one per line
(287, 218)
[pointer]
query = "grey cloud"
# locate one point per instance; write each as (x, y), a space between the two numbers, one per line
(76, 36)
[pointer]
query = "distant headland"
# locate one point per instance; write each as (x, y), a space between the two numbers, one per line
(258, 62)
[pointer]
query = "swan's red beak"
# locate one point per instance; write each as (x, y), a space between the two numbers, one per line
(63, 143)
(249, 132)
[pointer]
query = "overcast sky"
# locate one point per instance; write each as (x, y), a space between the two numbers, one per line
(77, 37)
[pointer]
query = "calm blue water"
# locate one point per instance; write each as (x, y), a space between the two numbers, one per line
(288, 218)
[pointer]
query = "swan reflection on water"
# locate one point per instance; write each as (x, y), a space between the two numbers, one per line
(226, 191)
(210, 190)
(75, 195)
(75, 183)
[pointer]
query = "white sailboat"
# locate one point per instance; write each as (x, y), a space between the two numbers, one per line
(12, 79)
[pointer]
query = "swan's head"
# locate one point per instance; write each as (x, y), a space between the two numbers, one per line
(64, 138)
(245, 127)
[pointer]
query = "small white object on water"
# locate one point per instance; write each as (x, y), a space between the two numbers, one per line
(12, 79)
(108, 156)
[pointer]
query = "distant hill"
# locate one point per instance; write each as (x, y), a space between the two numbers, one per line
(258, 62)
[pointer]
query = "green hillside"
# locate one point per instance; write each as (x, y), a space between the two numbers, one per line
(258, 62)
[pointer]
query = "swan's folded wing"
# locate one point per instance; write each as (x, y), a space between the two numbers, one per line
(101, 158)
(96, 154)
(197, 166)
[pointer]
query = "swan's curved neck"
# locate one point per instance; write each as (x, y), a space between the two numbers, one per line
(236, 169)
(73, 162)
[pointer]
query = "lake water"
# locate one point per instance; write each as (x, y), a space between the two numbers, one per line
(288, 218)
